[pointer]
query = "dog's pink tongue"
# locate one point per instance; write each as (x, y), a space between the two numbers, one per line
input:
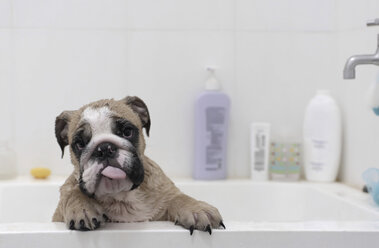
(114, 173)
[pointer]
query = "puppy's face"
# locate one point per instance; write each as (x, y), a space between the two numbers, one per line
(106, 144)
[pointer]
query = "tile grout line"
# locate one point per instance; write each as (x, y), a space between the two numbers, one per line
(234, 29)
(12, 77)
(231, 173)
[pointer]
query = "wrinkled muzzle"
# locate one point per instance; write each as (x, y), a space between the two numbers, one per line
(109, 165)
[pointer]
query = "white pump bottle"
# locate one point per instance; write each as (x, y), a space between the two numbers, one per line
(322, 138)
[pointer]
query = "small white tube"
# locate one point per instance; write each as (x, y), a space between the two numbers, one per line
(260, 145)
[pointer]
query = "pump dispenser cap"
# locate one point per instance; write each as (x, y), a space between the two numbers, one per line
(212, 83)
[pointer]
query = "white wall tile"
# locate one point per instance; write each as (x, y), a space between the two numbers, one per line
(70, 13)
(361, 136)
(5, 13)
(361, 139)
(6, 92)
(373, 9)
(185, 14)
(262, 14)
(122, 13)
(352, 14)
(286, 15)
(167, 74)
(287, 50)
(61, 70)
(313, 15)
(277, 74)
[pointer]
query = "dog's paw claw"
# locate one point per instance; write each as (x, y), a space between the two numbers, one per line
(83, 217)
(83, 226)
(72, 225)
(198, 215)
(222, 224)
(208, 229)
(106, 218)
(96, 223)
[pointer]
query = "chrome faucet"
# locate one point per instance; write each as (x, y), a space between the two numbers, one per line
(353, 61)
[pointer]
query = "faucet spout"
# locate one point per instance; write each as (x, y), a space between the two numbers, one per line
(353, 61)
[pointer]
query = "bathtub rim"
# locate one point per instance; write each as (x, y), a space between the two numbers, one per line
(349, 194)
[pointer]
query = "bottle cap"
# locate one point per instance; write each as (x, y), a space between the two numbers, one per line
(212, 83)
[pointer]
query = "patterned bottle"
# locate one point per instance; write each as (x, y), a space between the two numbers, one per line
(211, 130)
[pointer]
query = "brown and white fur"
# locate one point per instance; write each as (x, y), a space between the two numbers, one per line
(108, 133)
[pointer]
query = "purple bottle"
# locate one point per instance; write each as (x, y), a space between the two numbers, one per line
(211, 131)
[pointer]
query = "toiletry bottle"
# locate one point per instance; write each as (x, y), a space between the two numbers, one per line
(211, 129)
(260, 140)
(8, 167)
(322, 138)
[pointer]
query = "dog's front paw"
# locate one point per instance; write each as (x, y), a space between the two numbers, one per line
(199, 215)
(84, 217)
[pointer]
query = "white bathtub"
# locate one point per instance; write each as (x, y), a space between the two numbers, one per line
(269, 214)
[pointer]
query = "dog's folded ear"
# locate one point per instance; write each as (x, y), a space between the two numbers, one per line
(61, 128)
(139, 107)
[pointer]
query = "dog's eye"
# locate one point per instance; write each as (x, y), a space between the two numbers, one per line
(79, 144)
(127, 132)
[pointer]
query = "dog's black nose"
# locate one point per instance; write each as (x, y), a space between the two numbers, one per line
(105, 150)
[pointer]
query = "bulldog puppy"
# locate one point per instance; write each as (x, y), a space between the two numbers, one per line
(113, 181)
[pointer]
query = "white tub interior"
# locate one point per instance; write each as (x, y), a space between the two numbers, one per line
(239, 201)
(267, 214)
